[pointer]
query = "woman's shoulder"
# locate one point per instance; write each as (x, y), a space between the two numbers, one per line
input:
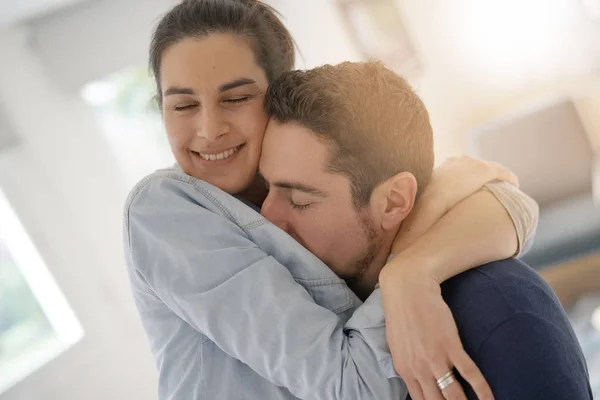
(164, 188)
(157, 178)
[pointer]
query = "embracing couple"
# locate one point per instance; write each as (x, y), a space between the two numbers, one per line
(305, 248)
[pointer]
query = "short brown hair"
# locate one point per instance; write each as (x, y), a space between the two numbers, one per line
(374, 122)
(254, 20)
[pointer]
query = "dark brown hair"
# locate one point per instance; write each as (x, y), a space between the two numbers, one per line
(271, 42)
(374, 122)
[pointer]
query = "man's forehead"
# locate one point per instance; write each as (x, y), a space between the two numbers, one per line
(294, 139)
(296, 157)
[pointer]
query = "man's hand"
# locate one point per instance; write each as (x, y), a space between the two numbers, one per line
(422, 335)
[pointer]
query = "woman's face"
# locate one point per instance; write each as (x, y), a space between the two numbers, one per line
(212, 95)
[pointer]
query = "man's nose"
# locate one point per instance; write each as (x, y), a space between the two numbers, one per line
(211, 124)
(272, 210)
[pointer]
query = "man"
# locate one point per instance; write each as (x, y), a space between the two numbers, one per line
(330, 157)
(235, 308)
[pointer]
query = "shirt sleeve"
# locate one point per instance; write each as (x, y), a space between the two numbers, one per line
(523, 210)
(208, 272)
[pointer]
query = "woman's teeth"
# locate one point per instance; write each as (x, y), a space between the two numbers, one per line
(220, 156)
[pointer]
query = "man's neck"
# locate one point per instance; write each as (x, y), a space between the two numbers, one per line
(364, 285)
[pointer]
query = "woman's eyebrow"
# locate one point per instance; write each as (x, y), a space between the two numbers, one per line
(236, 83)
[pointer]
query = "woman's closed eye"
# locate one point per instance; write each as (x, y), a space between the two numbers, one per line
(237, 100)
(184, 107)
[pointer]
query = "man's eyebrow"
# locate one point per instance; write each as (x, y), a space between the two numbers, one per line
(299, 186)
(177, 90)
(236, 83)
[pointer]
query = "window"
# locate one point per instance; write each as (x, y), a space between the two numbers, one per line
(130, 119)
(36, 323)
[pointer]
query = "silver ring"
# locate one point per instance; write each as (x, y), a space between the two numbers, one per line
(446, 380)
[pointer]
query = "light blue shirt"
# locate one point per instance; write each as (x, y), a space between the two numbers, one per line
(234, 308)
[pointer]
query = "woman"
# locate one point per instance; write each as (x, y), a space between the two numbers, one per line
(232, 306)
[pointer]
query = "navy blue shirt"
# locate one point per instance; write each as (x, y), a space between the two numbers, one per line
(514, 328)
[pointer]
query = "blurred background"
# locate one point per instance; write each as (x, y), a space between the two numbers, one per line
(516, 81)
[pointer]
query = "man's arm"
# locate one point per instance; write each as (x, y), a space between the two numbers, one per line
(210, 274)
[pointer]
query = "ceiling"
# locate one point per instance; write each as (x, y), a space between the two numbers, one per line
(14, 12)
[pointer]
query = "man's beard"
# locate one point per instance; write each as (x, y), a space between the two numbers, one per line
(361, 280)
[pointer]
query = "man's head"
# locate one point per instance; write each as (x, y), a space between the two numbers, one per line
(346, 151)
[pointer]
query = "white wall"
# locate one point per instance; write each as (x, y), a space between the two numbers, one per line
(96, 38)
(63, 184)
(481, 59)
(485, 58)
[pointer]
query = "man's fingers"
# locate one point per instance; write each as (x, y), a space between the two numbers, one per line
(471, 373)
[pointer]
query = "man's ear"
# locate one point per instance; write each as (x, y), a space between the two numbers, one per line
(394, 199)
